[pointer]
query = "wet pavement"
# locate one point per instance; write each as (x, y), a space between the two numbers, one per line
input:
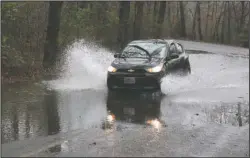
(204, 114)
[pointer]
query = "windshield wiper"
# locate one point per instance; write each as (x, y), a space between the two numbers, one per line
(136, 46)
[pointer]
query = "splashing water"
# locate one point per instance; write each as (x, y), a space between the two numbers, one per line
(85, 68)
(213, 73)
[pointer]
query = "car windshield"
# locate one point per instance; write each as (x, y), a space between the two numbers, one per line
(159, 52)
(151, 47)
(155, 50)
(134, 52)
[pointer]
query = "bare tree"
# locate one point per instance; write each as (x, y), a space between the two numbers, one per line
(229, 22)
(242, 17)
(199, 20)
(154, 25)
(183, 24)
(169, 19)
(217, 23)
(214, 11)
(155, 11)
(207, 19)
(124, 11)
(138, 18)
(51, 44)
(160, 20)
(223, 22)
(194, 23)
(101, 18)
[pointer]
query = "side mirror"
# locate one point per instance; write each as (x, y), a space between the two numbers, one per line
(116, 55)
(172, 56)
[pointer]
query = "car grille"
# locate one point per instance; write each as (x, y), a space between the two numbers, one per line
(135, 70)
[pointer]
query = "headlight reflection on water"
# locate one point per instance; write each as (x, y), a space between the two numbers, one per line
(108, 123)
(155, 123)
(110, 118)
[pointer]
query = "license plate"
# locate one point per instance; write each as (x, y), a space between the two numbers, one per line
(129, 80)
(129, 111)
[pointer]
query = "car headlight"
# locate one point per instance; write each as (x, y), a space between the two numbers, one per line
(111, 69)
(157, 68)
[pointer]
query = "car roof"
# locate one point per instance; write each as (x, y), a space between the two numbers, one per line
(152, 41)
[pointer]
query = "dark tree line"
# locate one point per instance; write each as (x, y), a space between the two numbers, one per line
(34, 32)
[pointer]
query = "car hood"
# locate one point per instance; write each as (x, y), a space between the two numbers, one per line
(135, 63)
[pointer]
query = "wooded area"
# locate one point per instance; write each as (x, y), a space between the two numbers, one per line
(33, 33)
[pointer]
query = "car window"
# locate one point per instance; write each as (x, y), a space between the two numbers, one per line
(172, 49)
(133, 52)
(179, 49)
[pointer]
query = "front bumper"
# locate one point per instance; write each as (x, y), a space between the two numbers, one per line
(142, 80)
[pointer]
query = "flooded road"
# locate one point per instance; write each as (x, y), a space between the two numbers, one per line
(203, 114)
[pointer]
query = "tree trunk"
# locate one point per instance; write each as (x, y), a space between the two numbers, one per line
(213, 17)
(101, 18)
(194, 23)
(160, 20)
(183, 24)
(229, 22)
(177, 24)
(155, 11)
(223, 23)
(138, 19)
(51, 43)
(123, 23)
(241, 17)
(217, 24)
(199, 20)
(177, 13)
(148, 8)
(169, 20)
(90, 5)
(206, 27)
(154, 25)
(78, 5)
(216, 20)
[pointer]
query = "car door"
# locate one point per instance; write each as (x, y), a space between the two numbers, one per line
(181, 59)
(172, 63)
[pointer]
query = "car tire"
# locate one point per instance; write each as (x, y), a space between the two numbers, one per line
(158, 87)
(110, 89)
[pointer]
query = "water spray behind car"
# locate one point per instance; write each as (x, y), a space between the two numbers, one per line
(85, 67)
